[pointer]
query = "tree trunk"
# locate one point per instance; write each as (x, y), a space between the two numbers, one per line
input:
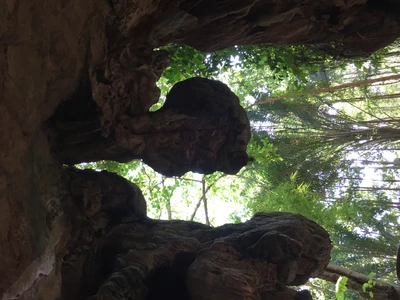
(328, 89)
(204, 196)
(376, 162)
(77, 79)
(382, 290)
(372, 97)
(168, 203)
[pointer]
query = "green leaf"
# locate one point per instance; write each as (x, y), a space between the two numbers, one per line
(340, 287)
(177, 76)
(364, 287)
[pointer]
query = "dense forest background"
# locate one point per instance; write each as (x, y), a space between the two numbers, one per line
(325, 143)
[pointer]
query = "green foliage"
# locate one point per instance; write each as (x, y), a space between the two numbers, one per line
(369, 285)
(251, 71)
(341, 288)
(292, 196)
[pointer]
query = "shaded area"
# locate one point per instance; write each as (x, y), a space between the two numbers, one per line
(133, 257)
(201, 128)
(100, 56)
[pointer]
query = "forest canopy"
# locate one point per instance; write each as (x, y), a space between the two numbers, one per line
(325, 143)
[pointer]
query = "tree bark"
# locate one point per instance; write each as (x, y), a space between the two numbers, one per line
(382, 290)
(77, 79)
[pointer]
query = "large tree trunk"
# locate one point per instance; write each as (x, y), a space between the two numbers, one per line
(76, 81)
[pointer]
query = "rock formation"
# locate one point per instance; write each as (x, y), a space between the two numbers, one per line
(77, 79)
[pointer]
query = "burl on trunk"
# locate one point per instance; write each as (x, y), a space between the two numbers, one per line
(116, 252)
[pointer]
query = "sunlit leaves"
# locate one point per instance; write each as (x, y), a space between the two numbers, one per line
(341, 288)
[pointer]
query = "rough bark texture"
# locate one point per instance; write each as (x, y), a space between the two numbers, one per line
(115, 252)
(201, 128)
(87, 69)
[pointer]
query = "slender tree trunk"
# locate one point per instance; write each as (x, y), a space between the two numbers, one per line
(169, 212)
(386, 180)
(368, 252)
(168, 202)
(160, 213)
(196, 208)
(203, 189)
(379, 121)
(370, 162)
(328, 89)
(372, 97)
(382, 290)
(204, 192)
(393, 167)
(362, 188)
